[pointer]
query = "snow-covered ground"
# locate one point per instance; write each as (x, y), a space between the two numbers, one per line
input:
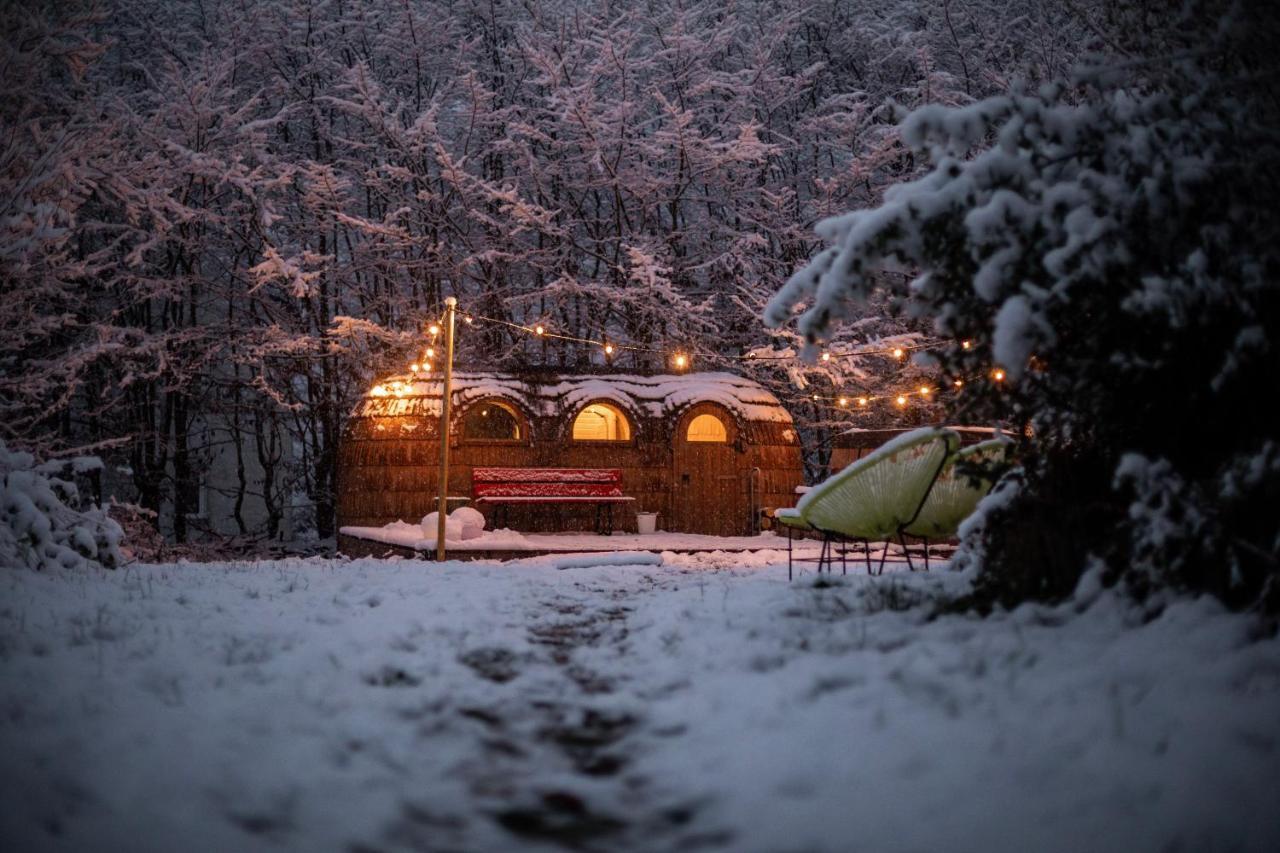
(704, 703)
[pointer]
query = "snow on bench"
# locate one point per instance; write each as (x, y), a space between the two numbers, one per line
(601, 486)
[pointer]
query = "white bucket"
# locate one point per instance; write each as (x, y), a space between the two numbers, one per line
(646, 522)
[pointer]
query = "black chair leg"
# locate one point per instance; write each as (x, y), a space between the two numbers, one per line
(866, 552)
(902, 540)
(788, 526)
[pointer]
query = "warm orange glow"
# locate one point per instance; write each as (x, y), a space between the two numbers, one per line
(959, 383)
(997, 375)
(414, 367)
(538, 330)
(902, 401)
(898, 352)
(431, 353)
(924, 390)
(965, 344)
(601, 422)
(608, 349)
(844, 401)
(707, 428)
(379, 391)
(433, 329)
(862, 401)
(826, 356)
(681, 361)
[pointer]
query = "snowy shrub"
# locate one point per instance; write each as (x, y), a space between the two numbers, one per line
(1110, 243)
(39, 527)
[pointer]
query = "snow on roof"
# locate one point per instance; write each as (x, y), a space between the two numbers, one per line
(646, 396)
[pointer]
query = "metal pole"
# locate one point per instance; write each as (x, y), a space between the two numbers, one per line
(450, 312)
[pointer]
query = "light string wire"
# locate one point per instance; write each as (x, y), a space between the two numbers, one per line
(844, 402)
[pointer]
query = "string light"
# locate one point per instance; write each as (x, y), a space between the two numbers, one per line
(681, 361)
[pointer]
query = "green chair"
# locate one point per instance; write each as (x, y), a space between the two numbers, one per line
(955, 494)
(875, 498)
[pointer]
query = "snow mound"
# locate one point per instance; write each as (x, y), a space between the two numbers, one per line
(461, 524)
(38, 526)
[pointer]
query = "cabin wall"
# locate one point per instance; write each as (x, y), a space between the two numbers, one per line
(388, 469)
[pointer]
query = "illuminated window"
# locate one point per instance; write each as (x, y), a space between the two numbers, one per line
(707, 428)
(491, 421)
(601, 422)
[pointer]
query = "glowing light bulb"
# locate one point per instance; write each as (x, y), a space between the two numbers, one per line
(608, 349)
(826, 356)
(538, 330)
(997, 375)
(431, 353)
(681, 361)
(469, 319)
(966, 344)
(898, 352)
(901, 401)
(862, 401)
(414, 367)
(426, 368)
(378, 391)
(844, 401)
(433, 329)
(924, 390)
(959, 383)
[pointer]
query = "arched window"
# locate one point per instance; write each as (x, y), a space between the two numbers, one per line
(707, 428)
(490, 420)
(601, 422)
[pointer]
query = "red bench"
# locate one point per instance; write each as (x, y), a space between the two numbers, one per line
(505, 486)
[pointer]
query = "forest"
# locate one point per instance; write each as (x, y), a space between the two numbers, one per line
(223, 221)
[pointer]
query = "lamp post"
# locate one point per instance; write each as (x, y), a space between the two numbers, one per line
(446, 393)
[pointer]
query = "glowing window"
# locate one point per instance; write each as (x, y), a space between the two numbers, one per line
(707, 428)
(491, 421)
(601, 422)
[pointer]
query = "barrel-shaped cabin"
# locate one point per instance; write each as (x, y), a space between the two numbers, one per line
(711, 453)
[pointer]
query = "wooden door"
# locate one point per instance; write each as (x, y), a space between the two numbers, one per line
(708, 487)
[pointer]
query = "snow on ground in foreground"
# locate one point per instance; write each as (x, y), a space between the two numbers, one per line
(702, 704)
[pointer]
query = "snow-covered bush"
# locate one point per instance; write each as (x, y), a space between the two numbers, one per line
(1110, 244)
(40, 528)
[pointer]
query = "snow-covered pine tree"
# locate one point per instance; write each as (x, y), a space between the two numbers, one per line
(1109, 243)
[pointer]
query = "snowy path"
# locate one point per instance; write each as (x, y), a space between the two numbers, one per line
(317, 705)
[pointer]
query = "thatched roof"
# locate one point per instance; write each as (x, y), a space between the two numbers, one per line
(545, 396)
